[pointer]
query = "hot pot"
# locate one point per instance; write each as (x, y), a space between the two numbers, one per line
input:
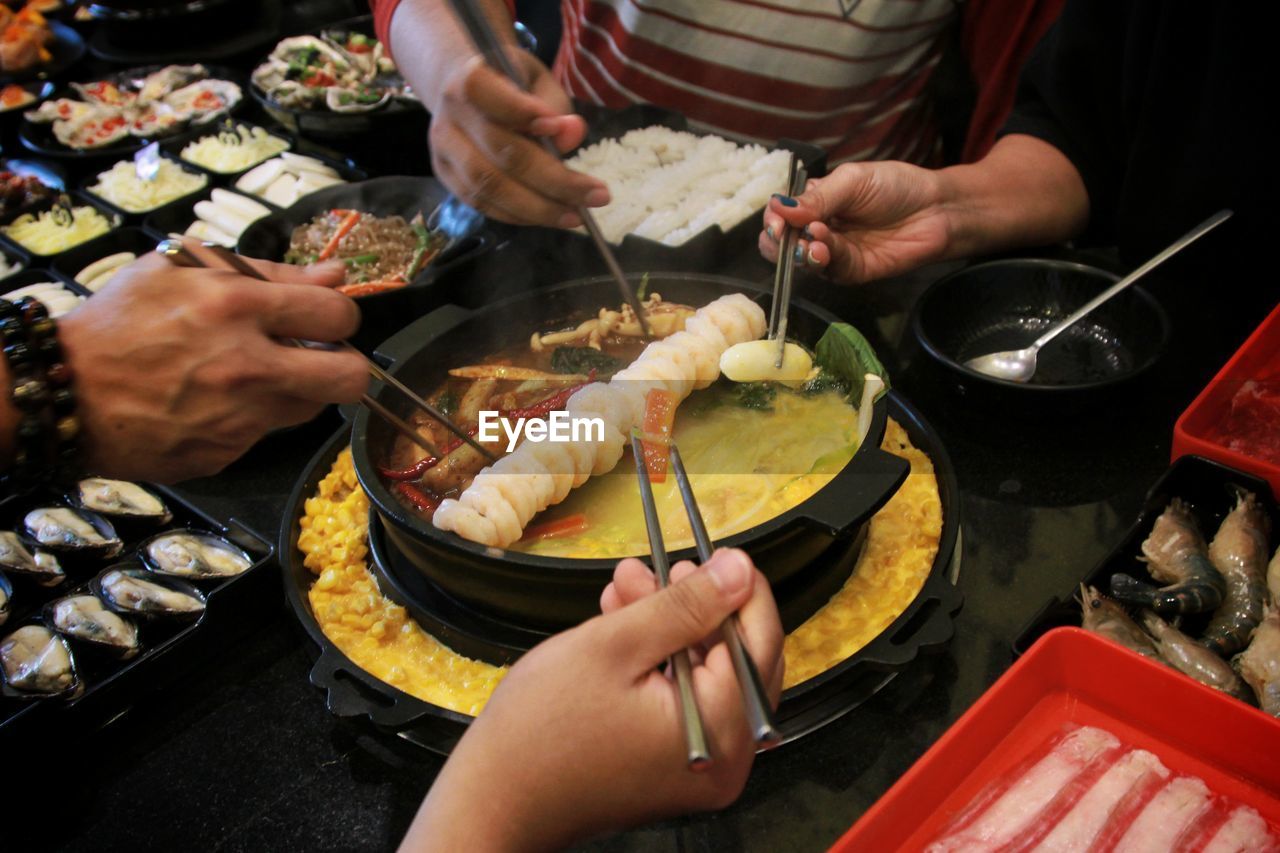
(547, 593)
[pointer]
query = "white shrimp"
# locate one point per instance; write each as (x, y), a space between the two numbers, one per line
(526, 466)
(516, 490)
(757, 322)
(554, 456)
(464, 521)
(490, 503)
(678, 355)
(703, 354)
(708, 331)
(729, 321)
(605, 401)
(583, 456)
(605, 454)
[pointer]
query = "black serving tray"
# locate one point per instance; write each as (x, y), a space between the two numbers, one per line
(78, 199)
(173, 145)
(576, 252)
(398, 116)
(72, 261)
(136, 218)
(39, 137)
(1206, 487)
(38, 275)
(382, 314)
(351, 693)
(170, 649)
(65, 51)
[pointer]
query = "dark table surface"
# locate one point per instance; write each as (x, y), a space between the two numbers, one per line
(240, 752)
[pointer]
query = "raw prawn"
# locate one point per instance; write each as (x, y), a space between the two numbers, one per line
(1239, 553)
(1259, 664)
(1176, 554)
(1190, 658)
(1105, 618)
(1273, 577)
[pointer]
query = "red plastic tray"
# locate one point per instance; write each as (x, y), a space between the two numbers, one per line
(1190, 433)
(1072, 676)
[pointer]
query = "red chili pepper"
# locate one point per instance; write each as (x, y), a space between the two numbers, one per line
(420, 500)
(426, 463)
(567, 526)
(554, 403)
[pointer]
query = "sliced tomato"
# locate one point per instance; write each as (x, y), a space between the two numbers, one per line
(567, 526)
(659, 419)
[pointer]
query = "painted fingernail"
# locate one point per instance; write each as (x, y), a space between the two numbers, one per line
(598, 197)
(772, 234)
(786, 200)
(807, 234)
(569, 220)
(811, 259)
(798, 255)
(730, 569)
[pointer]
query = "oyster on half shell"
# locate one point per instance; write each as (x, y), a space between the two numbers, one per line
(40, 566)
(36, 660)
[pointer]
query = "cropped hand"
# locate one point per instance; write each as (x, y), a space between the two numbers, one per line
(484, 145)
(864, 221)
(178, 371)
(584, 735)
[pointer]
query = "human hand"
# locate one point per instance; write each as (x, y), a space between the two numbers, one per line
(864, 221)
(177, 370)
(484, 145)
(584, 735)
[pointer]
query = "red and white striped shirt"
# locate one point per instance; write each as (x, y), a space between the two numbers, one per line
(848, 75)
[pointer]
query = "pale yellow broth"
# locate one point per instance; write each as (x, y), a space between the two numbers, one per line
(746, 466)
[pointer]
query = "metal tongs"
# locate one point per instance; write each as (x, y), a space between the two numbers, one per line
(477, 25)
(778, 311)
(759, 716)
(178, 254)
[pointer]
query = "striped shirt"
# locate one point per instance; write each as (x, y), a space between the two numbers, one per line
(850, 76)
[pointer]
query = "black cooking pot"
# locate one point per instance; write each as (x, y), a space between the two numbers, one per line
(555, 593)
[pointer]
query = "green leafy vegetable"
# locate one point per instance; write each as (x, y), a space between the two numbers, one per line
(824, 382)
(845, 354)
(755, 395)
(447, 402)
(583, 360)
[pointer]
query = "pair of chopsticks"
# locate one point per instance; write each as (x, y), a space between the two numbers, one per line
(796, 177)
(178, 254)
(759, 716)
(474, 21)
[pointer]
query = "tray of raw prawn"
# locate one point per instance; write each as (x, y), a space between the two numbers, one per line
(1085, 745)
(1193, 585)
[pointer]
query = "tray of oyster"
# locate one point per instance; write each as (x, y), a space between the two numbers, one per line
(97, 582)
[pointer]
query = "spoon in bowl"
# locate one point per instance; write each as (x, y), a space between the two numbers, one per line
(1019, 365)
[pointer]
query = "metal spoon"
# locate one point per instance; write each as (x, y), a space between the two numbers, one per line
(146, 163)
(1019, 365)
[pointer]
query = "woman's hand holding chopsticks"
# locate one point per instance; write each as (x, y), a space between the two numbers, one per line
(584, 735)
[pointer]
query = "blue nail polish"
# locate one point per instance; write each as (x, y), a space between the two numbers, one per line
(772, 235)
(786, 200)
(799, 254)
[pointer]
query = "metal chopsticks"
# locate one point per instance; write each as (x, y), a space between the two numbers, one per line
(478, 28)
(176, 253)
(759, 715)
(695, 738)
(785, 270)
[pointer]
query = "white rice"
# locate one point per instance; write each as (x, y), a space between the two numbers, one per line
(669, 186)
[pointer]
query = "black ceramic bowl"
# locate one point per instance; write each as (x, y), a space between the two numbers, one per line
(382, 313)
(1007, 304)
(554, 593)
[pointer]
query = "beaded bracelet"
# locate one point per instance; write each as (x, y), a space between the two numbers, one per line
(47, 446)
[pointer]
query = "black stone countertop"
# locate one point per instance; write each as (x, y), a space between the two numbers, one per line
(241, 754)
